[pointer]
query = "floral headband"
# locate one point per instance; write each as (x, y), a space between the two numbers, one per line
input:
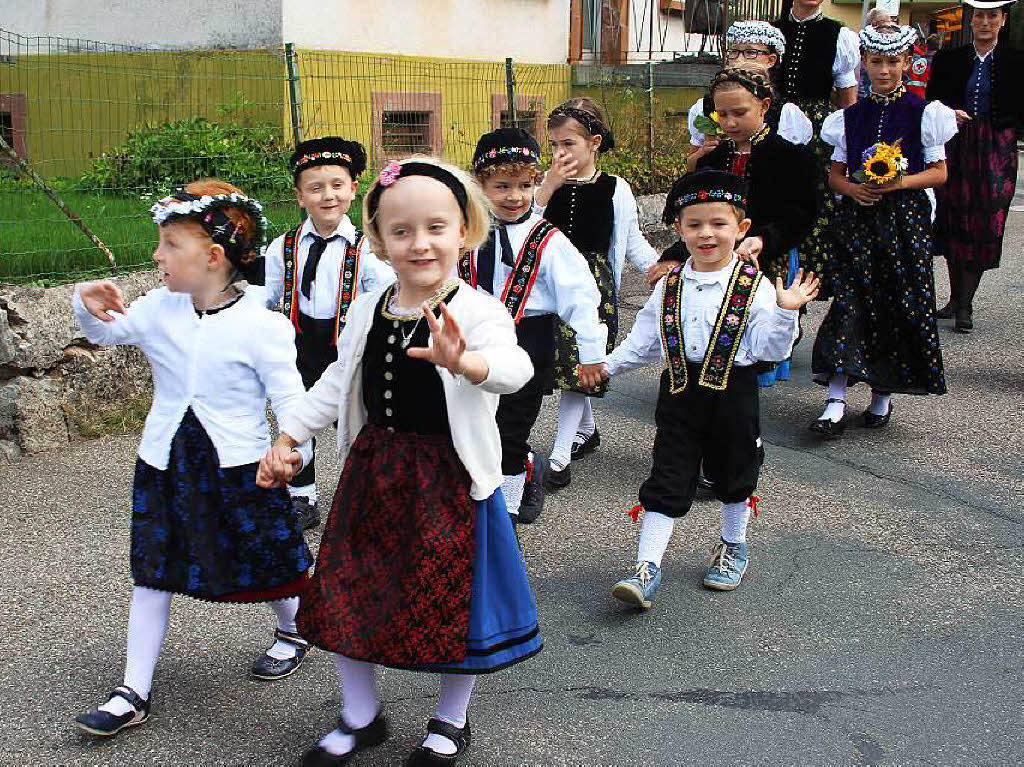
(502, 154)
(306, 159)
(710, 195)
(590, 122)
(888, 40)
(395, 170)
(208, 211)
(760, 32)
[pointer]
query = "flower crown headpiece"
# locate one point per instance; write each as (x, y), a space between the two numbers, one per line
(306, 159)
(512, 153)
(208, 211)
(887, 40)
(760, 32)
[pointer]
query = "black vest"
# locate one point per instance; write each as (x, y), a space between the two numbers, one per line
(585, 213)
(806, 69)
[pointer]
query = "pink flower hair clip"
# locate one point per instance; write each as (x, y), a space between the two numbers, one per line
(390, 174)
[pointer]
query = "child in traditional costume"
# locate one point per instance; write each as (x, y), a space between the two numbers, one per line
(418, 567)
(598, 213)
(201, 527)
(880, 328)
(315, 270)
(710, 320)
(540, 277)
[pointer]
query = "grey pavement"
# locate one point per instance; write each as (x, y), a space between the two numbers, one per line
(880, 621)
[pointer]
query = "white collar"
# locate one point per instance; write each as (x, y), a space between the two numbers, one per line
(981, 58)
(813, 17)
(346, 229)
(721, 275)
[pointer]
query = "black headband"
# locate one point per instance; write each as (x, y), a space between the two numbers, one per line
(396, 170)
(590, 122)
(754, 82)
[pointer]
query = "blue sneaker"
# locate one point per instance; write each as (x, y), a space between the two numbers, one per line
(728, 564)
(638, 589)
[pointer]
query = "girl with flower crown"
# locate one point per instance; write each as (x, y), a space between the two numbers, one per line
(880, 328)
(201, 527)
(419, 567)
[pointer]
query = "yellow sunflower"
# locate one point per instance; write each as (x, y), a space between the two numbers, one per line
(881, 166)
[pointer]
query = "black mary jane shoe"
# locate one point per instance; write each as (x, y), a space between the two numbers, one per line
(964, 321)
(947, 312)
(373, 734)
(105, 724)
(705, 487)
(422, 756)
(826, 427)
(307, 512)
(587, 446)
(557, 478)
(532, 504)
(874, 421)
(271, 669)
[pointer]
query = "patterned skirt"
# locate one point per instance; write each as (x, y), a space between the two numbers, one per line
(970, 217)
(816, 249)
(881, 326)
(567, 354)
(411, 572)
(210, 532)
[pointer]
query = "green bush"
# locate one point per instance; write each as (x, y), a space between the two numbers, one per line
(155, 158)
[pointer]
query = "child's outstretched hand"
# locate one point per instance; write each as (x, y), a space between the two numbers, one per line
(803, 290)
(99, 297)
(447, 347)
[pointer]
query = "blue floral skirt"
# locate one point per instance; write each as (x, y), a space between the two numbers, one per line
(210, 532)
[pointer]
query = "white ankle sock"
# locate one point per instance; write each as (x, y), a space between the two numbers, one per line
(587, 425)
(655, 533)
(570, 414)
(305, 491)
(358, 685)
(147, 625)
(879, 403)
(452, 704)
(734, 522)
(512, 486)
(836, 390)
(284, 611)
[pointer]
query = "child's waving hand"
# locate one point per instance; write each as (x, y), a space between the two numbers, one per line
(802, 291)
(100, 297)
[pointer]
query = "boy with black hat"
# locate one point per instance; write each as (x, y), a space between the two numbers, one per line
(315, 270)
(710, 320)
(538, 274)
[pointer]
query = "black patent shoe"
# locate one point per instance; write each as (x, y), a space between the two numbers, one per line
(271, 669)
(105, 724)
(827, 428)
(557, 478)
(425, 757)
(705, 487)
(946, 312)
(373, 734)
(532, 504)
(587, 446)
(874, 421)
(308, 513)
(964, 321)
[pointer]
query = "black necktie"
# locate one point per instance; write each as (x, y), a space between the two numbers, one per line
(485, 258)
(316, 250)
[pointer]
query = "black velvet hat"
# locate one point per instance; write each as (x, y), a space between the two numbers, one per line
(704, 186)
(329, 150)
(504, 146)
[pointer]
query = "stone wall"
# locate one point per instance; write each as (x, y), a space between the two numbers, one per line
(52, 379)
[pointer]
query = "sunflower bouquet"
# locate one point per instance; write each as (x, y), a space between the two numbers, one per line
(708, 125)
(881, 163)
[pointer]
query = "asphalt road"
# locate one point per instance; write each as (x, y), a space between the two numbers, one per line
(880, 621)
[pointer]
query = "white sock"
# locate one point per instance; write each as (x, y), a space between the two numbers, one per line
(734, 522)
(360, 703)
(147, 625)
(587, 425)
(654, 536)
(570, 413)
(512, 486)
(305, 491)
(836, 390)
(879, 403)
(452, 704)
(284, 611)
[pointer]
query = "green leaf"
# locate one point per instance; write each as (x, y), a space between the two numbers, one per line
(706, 125)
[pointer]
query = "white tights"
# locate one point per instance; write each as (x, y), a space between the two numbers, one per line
(575, 414)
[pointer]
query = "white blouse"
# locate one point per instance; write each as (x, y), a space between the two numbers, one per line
(938, 125)
(768, 336)
(564, 286)
(322, 303)
(222, 365)
(794, 125)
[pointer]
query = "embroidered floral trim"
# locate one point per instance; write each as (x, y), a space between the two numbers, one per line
(711, 195)
(314, 156)
(391, 172)
(513, 153)
(524, 273)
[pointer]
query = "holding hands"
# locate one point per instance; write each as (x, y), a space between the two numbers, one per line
(801, 292)
(279, 464)
(592, 374)
(100, 297)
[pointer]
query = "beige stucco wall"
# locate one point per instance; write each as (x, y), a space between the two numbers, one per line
(535, 31)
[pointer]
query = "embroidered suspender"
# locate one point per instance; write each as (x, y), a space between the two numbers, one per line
(725, 339)
(347, 285)
(524, 273)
